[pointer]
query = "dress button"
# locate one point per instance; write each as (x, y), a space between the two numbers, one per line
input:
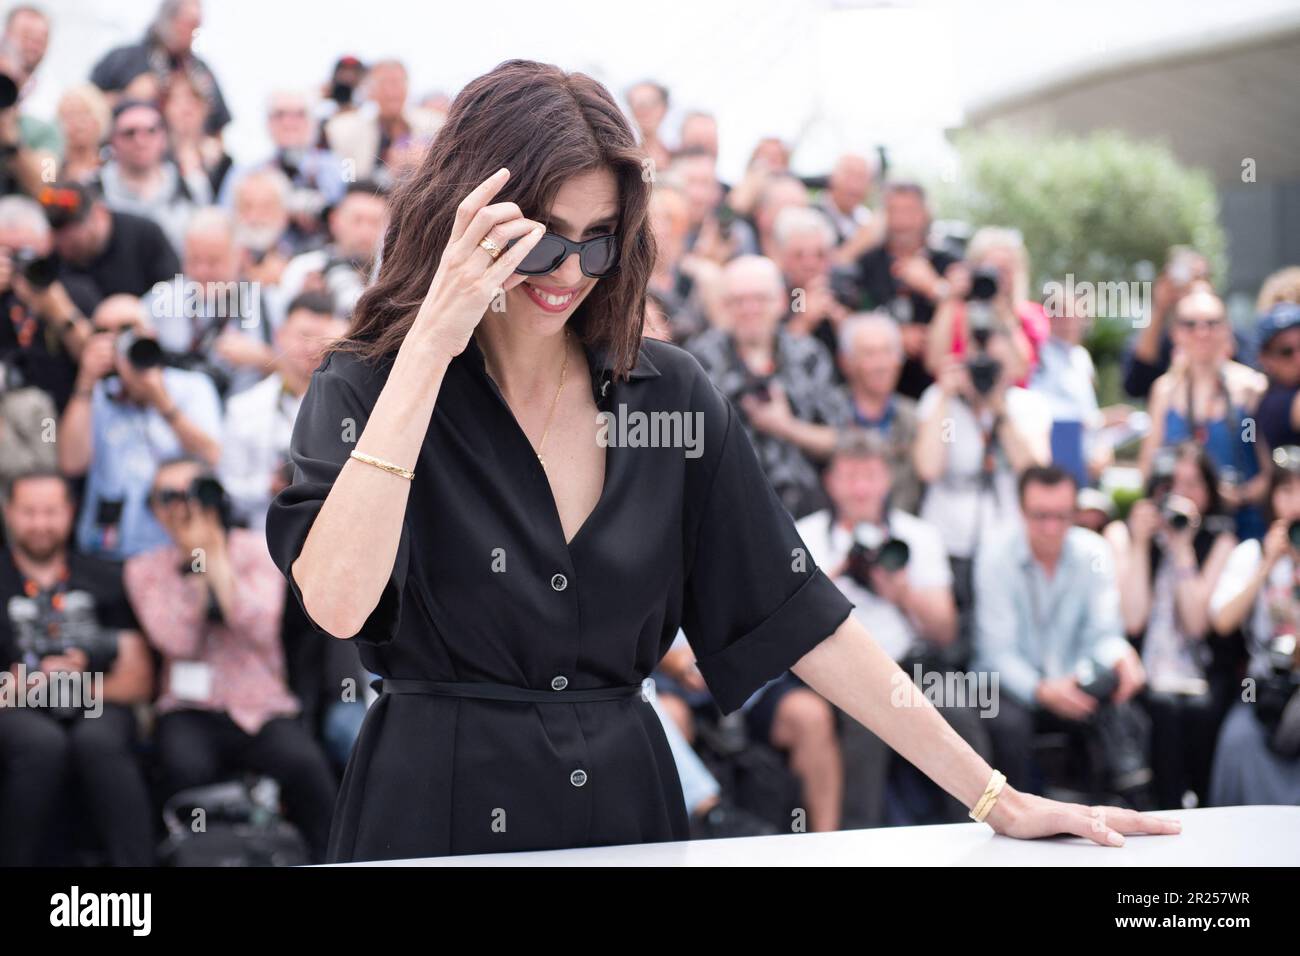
(578, 778)
(559, 683)
(559, 582)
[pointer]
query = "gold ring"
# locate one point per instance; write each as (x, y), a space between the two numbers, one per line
(492, 248)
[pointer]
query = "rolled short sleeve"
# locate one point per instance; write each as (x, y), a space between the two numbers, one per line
(330, 419)
(755, 602)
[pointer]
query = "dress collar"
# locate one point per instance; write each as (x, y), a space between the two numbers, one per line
(599, 362)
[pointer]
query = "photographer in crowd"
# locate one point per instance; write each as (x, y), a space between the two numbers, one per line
(1047, 623)
(1278, 333)
(127, 414)
(259, 421)
(103, 252)
(45, 332)
(892, 566)
(210, 600)
(906, 277)
(209, 319)
(341, 268)
(64, 612)
(1168, 558)
(783, 384)
(141, 180)
(871, 358)
(976, 432)
(1207, 398)
(1258, 757)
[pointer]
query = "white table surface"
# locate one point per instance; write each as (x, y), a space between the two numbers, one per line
(1220, 836)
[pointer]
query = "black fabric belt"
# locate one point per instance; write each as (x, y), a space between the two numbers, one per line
(486, 691)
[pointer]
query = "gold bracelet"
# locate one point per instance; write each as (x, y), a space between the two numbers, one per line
(387, 466)
(990, 796)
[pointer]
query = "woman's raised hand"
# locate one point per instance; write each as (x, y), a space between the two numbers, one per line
(468, 278)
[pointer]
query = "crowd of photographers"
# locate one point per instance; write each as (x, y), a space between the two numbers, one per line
(931, 423)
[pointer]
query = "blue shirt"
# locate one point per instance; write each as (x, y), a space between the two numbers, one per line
(129, 442)
(1029, 627)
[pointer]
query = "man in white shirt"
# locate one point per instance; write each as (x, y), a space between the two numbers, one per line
(894, 568)
(259, 421)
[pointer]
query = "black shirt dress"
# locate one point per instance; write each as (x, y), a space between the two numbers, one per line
(512, 715)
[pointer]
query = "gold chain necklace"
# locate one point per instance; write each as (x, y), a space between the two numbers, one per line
(556, 401)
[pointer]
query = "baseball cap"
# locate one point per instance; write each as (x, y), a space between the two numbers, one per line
(1283, 316)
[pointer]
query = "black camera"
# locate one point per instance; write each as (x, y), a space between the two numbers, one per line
(48, 628)
(984, 370)
(760, 386)
(1178, 513)
(1276, 689)
(1123, 732)
(1293, 535)
(874, 547)
(40, 271)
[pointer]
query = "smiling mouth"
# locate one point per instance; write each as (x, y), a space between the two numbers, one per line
(548, 300)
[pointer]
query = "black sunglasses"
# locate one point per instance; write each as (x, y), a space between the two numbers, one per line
(597, 257)
(169, 496)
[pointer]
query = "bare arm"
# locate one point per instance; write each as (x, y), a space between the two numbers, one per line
(851, 671)
(348, 555)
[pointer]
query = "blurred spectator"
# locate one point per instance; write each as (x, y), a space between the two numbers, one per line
(363, 138)
(1279, 356)
(208, 317)
(167, 49)
(339, 95)
(67, 612)
(27, 32)
(1257, 760)
(140, 180)
(1047, 623)
(648, 103)
(1208, 398)
(259, 421)
(27, 420)
(1169, 557)
(976, 432)
(902, 595)
(343, 267)
(990, 287)
(128, 414)
(685, 283)
(906, 277)
(871, 357)
(780, 191)
(892, 566)
(699, 132)
(315, 175)
(85, 118)
(102, 252)
(844, 203)
(29, 147)
(1065, 378)
(262, 228)
(804, 241)
(1185, 269)
(782, 384)
(198, 154)
(715, 232)
(210, 600)
(45, 332)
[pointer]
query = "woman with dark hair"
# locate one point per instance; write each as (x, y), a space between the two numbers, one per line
(1169, 556)
(513, 556)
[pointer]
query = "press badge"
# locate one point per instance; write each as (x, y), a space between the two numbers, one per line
(191, 680)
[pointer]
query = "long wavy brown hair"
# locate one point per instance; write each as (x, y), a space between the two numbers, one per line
(545, 126)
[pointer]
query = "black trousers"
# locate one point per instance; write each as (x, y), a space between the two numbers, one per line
(199, 747)
(42, 754)
(1184, 730)
(1016, 725)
